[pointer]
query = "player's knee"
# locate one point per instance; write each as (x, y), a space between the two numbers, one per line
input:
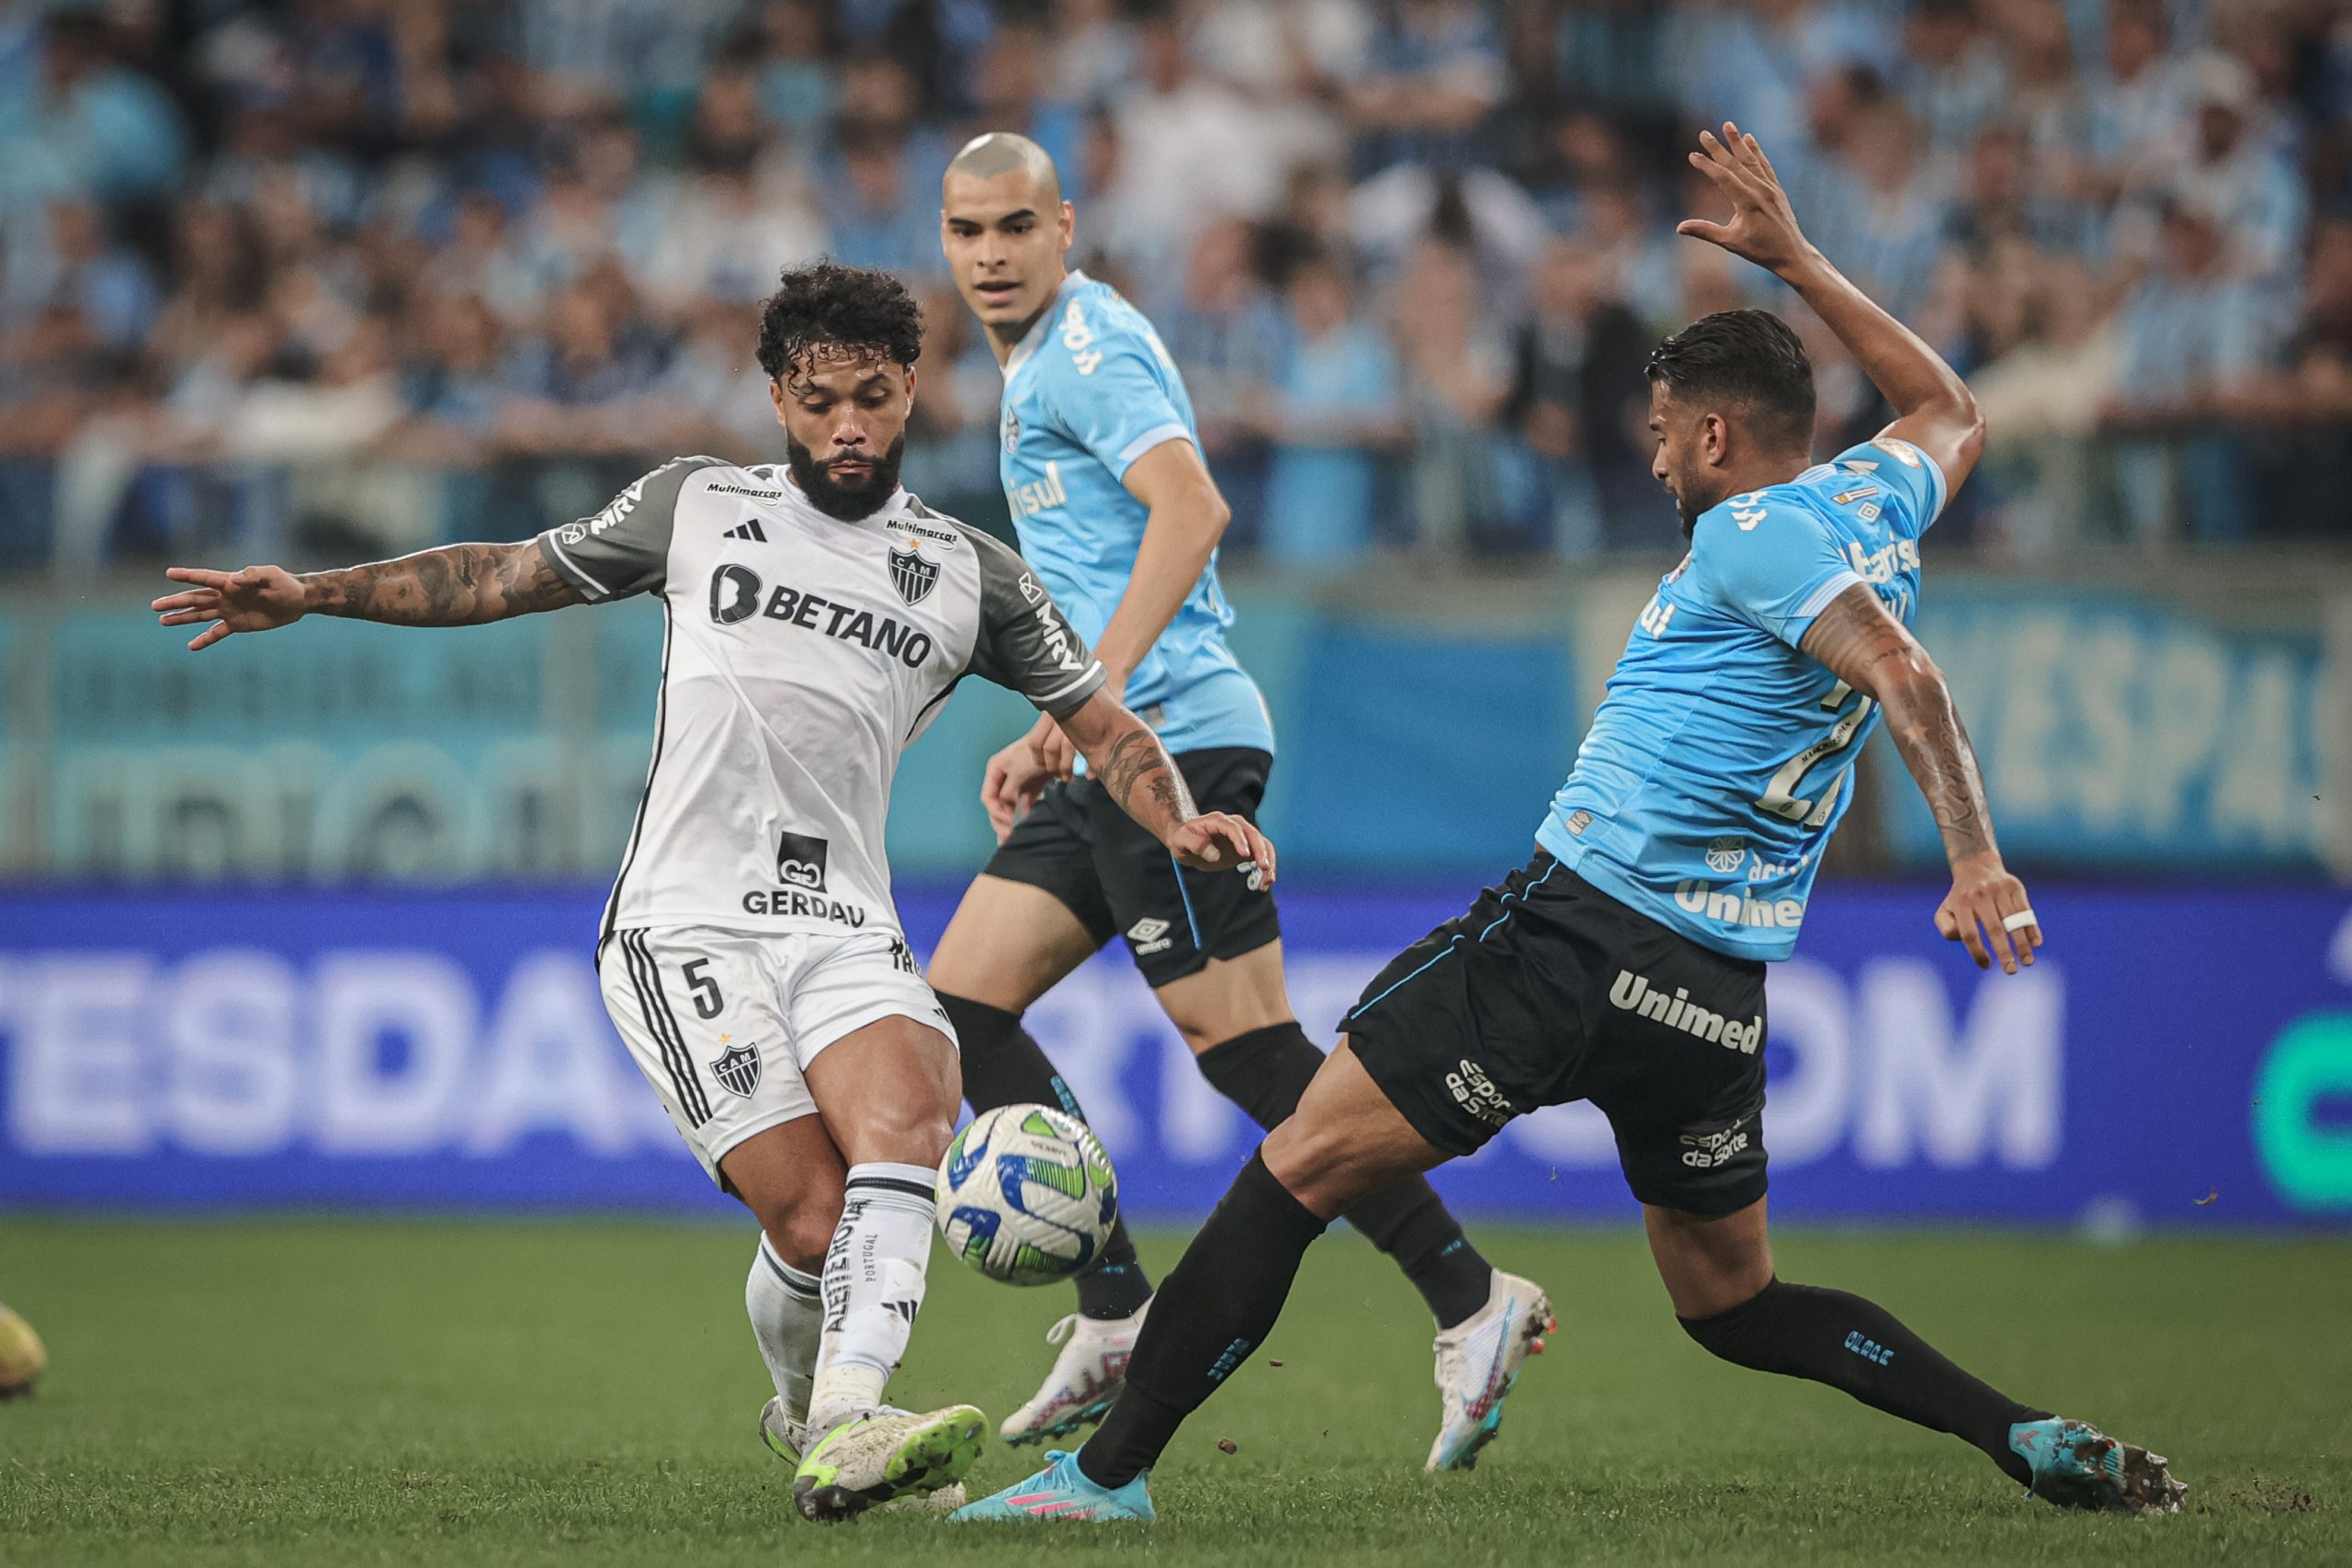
(1730, 1329)
(804, 1233)
(910, 1127)
(1313, 1160)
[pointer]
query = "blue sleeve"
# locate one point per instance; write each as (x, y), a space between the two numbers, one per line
(1911, 488)
(1770, 559)
(1108, 391)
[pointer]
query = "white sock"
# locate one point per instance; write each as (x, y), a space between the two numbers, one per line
(873, 1280)
(787, 1320)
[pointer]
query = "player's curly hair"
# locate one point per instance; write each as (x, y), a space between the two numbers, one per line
(826, 310)
(1751, 358)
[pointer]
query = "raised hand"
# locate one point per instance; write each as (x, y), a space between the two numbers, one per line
(258, 599)
(1763, 227)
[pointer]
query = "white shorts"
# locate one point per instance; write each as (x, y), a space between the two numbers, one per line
(723, 1023)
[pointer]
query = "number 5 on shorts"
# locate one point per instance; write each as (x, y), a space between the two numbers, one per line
(708, 1003)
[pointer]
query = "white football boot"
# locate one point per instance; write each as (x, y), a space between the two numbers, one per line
(788, 1439)
(1478, 1360)
(1087, 1377)
(885, 1455)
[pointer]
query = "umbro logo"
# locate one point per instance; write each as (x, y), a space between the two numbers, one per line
(1150, 936)
(749, 530)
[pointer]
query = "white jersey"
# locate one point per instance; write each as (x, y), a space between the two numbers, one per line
(803, 654)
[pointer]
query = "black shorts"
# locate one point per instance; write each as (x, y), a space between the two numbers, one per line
(1549, 991)
(1117, 878)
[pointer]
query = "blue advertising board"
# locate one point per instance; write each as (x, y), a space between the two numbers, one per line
(2182, 1055)
(2117, 730)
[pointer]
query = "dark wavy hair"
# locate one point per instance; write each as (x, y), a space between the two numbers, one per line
(824, 309)
(1747, 358)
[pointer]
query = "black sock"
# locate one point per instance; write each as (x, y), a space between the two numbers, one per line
(1215, 1307)
(1003, 1066)
(1265, 1072)
(1801, 1331)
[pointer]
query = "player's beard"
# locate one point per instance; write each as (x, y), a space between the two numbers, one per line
(847, 501)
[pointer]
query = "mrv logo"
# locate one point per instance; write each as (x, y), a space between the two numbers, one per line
(1634, 993)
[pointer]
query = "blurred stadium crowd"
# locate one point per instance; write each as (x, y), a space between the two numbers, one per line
(320, 278)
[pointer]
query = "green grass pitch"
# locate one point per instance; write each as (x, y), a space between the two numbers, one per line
(347, 1391)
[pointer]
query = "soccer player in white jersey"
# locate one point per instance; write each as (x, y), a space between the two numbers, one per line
(1103, 470)
(817, 618)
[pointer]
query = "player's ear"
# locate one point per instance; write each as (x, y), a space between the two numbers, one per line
(775, 396)
(1714, 439)
(911, 386)
(1068, 227)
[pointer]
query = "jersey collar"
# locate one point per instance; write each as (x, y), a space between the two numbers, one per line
(1035, 337)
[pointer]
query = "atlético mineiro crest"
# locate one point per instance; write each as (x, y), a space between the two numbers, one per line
(912, 575)
(738, 1067)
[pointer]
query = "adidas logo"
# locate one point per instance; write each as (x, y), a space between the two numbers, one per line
(749, 530)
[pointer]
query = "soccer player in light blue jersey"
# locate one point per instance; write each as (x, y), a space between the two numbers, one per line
(1117, 512)
(1625, 964)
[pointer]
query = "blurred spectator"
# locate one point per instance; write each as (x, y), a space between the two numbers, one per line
(83, 266)
(1578, 396)
(1456, 376)
(2194, 334)
(878, 218)
(87, 126)
(1191, 150)
(2230, 170)
(1436, 73)
(1333, 412)
(796, 91)
(1223, 331)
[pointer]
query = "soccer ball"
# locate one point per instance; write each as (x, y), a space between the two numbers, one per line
(21, 1356)
(1026, 1195)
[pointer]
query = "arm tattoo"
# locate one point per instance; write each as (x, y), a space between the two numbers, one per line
(1138, 761)
(461, 585)
(1870, 650)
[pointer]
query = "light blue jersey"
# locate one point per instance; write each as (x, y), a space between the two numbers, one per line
(1722, 758)
(1088, 391)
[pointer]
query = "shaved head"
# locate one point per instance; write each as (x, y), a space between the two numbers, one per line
(995, 153)
(1005, 232)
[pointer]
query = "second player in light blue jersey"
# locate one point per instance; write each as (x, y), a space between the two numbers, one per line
(1625, 964)
(1089, 392)
(1117, 512)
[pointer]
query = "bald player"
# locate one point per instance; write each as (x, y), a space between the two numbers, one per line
(1117, 512)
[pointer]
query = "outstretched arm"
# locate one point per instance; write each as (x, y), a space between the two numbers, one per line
(1184, 521)
(1934, 409)
(1875, 654)
(1127, 758)
(459, 585)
